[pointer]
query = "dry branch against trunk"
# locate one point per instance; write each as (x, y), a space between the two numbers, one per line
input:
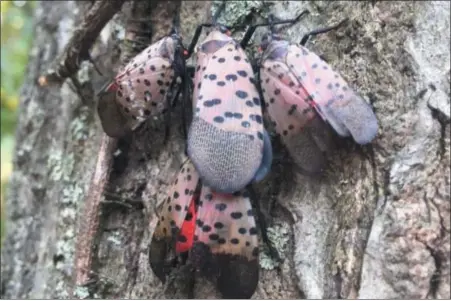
(377, 225)
(91, 212)
(83, 38)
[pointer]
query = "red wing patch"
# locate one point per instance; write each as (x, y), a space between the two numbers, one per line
(225, 140)
(175, 208)
(226, 242)
(220, 235)
(186, 235)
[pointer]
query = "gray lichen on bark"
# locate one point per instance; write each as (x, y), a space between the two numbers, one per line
(376, 225)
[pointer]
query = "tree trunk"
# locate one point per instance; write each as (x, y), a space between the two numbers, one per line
(375, 225)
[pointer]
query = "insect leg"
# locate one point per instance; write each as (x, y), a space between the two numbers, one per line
(218, 12)
(256, 68)
(171, 104)
(185, 99)
(188, 105)
(262, 224)
(174, 99)
(196, 38)
(320, 31)
(247, 36)
(169, 111)
(176, 21)
(250, 31)
(190, 70)
(199, 30)
(182, 71)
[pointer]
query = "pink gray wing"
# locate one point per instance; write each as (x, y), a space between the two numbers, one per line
(113, 121)
(303, 132)
(173, 213)
(140, 88)
(331, 96)
(226, 242)
(225, 140)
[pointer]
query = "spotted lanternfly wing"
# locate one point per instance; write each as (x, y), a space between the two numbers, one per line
(331, 96)
(140, 87)
(175, 228)
(114, 123)
(186, 235)
(325, 90)
(226, 243)
(226, 137)
(298, 85)
(303, 132)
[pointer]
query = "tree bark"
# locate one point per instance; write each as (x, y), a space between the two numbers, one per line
(375, 225)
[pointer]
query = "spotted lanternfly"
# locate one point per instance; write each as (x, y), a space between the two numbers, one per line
(227, 141)
(217, 230)
(176, 222)
(140, 88)
(303, 93)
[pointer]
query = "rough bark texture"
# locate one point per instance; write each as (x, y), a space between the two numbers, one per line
(376, 225)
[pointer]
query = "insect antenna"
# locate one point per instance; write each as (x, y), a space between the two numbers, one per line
(271, 22)
(180, 68)
(181, 58)
(218, 13)
(176, 22)
(199, 28)
(274, 21)
(320, 31)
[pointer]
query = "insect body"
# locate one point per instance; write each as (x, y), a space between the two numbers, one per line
(218, 230)
(302, 92)
(227, 141)
(140, 88)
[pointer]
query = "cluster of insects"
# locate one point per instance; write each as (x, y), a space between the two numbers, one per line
(208, 214)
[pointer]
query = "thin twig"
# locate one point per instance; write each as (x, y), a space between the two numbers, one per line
(77, 49)
(90, 217)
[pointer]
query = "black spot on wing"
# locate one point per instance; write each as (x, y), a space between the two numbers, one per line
(221, 207)
(231, 77)
(218, 225)
(218, 119)
(241, 94)
(236, 215)
(242, 73)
